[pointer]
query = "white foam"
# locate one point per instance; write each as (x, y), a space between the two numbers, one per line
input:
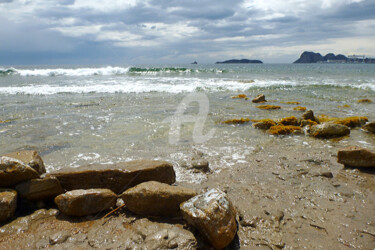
(105, 71)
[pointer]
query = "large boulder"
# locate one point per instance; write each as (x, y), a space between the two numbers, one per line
(8, 204)
(39, 189)
(30, 158)
(329, 130)
(155, 198)
(213, 214)
(356, 157)
(84, 202)
(13, 171)
(117, 177)
(369, 127)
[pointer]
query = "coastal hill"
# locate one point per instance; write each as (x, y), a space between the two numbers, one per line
(240, 61)
(312, 57)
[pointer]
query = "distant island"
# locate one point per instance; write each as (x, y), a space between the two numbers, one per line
(312, 57)
(240, 61)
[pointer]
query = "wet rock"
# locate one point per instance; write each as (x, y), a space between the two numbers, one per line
(40, 189)
(259, 98)
(304, 123)
(8, 204)
(329, 130)
(13, 171)
(352, 122)
(84, 202)
(264, 124)
(292, 121)
(369, 127)
(59, 237)
(155, 198)
(213, 214)
(201, 165)
(284, 130)
(356, 157)
(117, 177)
(30, 158)
(309, 115)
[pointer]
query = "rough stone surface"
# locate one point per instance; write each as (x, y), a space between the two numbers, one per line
(266, 124)
(117, 177)
(329, 130)
(13, 171)
(259, 98)
(213, 214)
(84, 202)
(309, 115)
(370, 127)
(39, 189)
(30, 158)
(8, 204)
(356, 157)
(155, 198)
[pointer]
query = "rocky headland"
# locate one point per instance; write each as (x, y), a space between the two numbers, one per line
(233, 61)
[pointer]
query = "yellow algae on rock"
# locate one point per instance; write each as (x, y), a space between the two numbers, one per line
(237, 121)
(308, 122)
(240, 96)
(264, 124)
(268, 107)
(344, 106)
(283, 130)
(300, 108)
(295, 103)
(352, 122)
(364, 101)
(292, 120)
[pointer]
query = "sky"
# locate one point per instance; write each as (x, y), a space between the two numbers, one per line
(181, 31)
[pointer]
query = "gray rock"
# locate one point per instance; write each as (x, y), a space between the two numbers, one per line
(30, 158)
(259, 98)
(40, 189)
(13, 171)
(213, 214)
(356, 157)
(84, 202)
(329, 130)
(8, 204)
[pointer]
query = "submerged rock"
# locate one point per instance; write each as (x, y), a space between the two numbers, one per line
(356, 157)
(259, 98)
(369, 127)
(84, 202)
(352, 122)
(155, 198)
(40, 189)
(117, 177)
(264, 124)
(329, 130)
(299, 108)
(240, 96)
(30, 158)
(307, 123)
(268, 107)
(8, 204)
(364, 101)
(13, 171)
(284, 130)
(237, 121)
(292, 120)
(200, 165)
(213, 214)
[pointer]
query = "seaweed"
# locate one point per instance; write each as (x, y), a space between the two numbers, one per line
(240, 96)
(268, 107)
(300, 108)
(364, 101)
(237, 121)
(292, 120)
(283, 130)
(294, 103)
(264, 123)
(352, 122)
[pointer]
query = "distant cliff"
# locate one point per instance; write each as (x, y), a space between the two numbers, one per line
(311, 57)
(240, 61)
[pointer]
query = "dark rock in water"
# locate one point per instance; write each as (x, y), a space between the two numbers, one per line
(329, 130)
(84, 202)
(13, 171)
(356, 157)
(117, 177)
(201, 165)
(30, 158)
(309, 115)
(8, 204)
(259, 98)
(213, 214)
(240, 61)
(40, 189)
(195, 62)
(369, 127)
(156, 199)
(310, 57)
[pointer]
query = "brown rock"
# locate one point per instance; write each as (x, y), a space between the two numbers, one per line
(40, 189)
(8, 204)
(329, 130)
(201, 165)
(369, 127)
(264, 124)
(309, 115)
(259, 98)
(213, 215)
(117, 177)
(84, 202)
(356, 157)
(13, 171)
(30, 158)
(155, 198)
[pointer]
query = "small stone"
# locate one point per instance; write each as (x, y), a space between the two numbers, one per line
(213, 214)
(201, 165)
(157, 199)
(369, 127)
(30, 158)
(356, 157)
(59, 237)
(329, 130)
(13, 171)
(84, 202)
(8, 204)
(259, 98)
(40, 189)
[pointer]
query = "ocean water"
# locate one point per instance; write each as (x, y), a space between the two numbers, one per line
(76, 115)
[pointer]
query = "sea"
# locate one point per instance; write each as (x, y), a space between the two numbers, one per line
(78, 115)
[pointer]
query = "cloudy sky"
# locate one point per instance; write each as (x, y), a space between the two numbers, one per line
(181, 31)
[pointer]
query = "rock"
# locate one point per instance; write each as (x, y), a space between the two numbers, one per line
(201, 165)
(310, 57)
(329, 130)
(264, 124)
(59, 237)
(213, 214)
(292, 120)
(284, 130)
(30, 158)
(240, 61)
(84, 202)
(352, 122)
(356, 157)
(304, 123)
(39, 189)
(117, 177)
(155, 198)
(369, 127)
(8, 204)
(309, 115)
(259, 98)
(13, 171)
